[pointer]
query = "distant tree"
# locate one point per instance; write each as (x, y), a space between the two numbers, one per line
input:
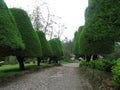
(37, 18)
(76, 47)
(57, 49)
(49, 23)
(40, 20)
(46, 49)
(10, 38)
(68, 48)
(30, 38)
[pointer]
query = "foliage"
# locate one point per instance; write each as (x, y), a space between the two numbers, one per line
(116, 72)
(11, 60)
(60, 46)
(46, 50)
(30, 38)
(114, 55)
(13, 70)
(66, 61)
(68, 49)
(10, 38)
(96, 36)
(101, 29)
(103, 65)
(76, 47)
(56, 47)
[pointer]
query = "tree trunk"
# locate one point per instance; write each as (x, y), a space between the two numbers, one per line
(50, 61)
(95, 57)
(21, 62)
(38, 61)
(88, 58)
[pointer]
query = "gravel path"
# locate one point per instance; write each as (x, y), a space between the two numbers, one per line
(56, 78)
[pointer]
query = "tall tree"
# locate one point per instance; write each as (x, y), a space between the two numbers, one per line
(68, 49)
(98, 35)
(57, 49)
(47, 22)
(46, 49)
(30, 38)
(10, 38)
(76, 47)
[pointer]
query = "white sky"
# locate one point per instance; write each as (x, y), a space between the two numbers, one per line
(71, 11)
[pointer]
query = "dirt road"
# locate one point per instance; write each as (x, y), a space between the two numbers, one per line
(56, 78)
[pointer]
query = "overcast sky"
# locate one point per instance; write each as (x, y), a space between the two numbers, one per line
(71, 11)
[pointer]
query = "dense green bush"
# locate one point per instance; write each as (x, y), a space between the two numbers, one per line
(10, 38)
(103, 65)
(114, 55)
(116, 72)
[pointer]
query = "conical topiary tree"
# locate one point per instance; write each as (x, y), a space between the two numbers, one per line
(30, 37)
(56, 48)
(61, 48)
(46, 51)
(10, 38)
(98, 34)
(76, 46)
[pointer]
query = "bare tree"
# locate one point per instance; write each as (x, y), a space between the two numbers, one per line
(37, 18)
(50, 24)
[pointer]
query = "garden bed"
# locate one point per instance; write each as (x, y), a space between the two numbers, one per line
(99, 80)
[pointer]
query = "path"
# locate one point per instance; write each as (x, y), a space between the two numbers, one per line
(56, 78)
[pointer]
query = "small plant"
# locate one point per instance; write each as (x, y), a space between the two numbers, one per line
(116, 72)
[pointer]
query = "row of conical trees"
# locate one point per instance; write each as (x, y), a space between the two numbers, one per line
(18, 38)
(101, 29)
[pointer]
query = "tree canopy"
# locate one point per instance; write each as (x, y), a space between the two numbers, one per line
(76, 47)
(10, 38)
(56, 47)
(98, 35)
(46, 49)
(29, 36)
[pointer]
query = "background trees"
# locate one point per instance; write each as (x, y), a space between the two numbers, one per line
(68, 49)
(43, 19)
(29, 36)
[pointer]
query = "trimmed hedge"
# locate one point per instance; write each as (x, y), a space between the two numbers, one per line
(10, 38)
(76, 47)
(30, 38)
(56, 48)
(97, 36)
(46, 49)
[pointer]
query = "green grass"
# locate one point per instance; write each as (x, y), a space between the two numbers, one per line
(66, 61)
(13, 70)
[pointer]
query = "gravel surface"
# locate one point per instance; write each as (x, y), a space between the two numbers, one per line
(56, 78)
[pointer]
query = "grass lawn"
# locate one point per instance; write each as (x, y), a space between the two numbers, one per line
(13, 70)
(66, 61)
